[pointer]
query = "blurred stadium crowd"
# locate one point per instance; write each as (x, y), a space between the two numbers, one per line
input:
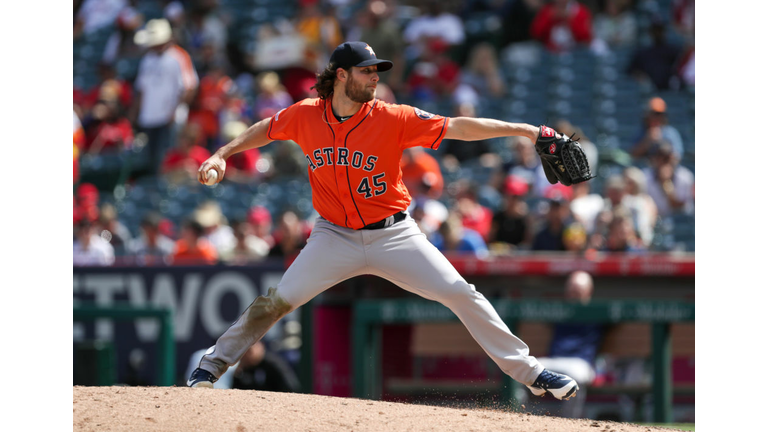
(159, 85)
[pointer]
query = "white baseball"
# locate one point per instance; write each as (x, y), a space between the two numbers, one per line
(211, 176)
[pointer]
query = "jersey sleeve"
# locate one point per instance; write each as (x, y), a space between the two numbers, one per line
(423, 129)
(284, 125)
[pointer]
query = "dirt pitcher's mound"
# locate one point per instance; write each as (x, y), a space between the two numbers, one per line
(186, 409)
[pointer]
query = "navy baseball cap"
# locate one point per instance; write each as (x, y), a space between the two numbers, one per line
(358, 54)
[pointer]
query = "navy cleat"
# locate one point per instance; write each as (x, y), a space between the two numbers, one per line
(201, 378)
(558, 385)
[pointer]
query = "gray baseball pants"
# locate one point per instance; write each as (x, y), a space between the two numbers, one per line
(400, 254)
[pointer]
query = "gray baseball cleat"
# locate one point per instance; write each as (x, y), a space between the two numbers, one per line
(201, 378)
(558, 385)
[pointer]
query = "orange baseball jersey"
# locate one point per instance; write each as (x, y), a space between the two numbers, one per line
(354, 166)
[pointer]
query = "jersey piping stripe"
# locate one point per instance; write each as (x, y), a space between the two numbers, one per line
(375, 101)
(325, 117)
(270, 128)
(440, 134)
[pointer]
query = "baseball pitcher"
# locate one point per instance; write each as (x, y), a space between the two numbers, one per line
(353, 143)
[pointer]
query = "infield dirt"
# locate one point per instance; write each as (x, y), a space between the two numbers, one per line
(186, 409)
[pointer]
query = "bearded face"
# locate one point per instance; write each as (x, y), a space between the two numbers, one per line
(360, 90)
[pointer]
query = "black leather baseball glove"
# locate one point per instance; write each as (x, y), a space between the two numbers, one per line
(562, 158)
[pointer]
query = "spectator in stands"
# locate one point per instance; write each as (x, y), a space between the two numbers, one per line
(205, 111)
(550, 236)
(421, 168)
(637, 198)
(298, 81)
(235, 109)
(622, 236)
(615, 190)
(151, 247)
(512, 225)
(562, 24)
(435, 23)
(261, 221)
(260, 369)
(517, 21)
(482, 72)
(290, 236)
(114, 231)
(377, 26)
(575, 238)
(560, 192)
(454, 237)
(655, 129)
(87, 199)
(120, 44)
(193, 248)
(474, 215)
(110, 86)
(318, 24)
(654, 64)
(95, 15)
(241, 167)
(109, 131)
(182, 162)
(89, 249)
(434, 75)
(176, 14)
(428, 213)
(165, 86)
(216, 228)
(527, 165)
(247, 248)
(616, 24)
(585, 205)
(669, 184)
(205, 30)
(271, 97)
(574, 347)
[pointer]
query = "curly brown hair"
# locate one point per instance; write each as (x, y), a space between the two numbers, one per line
(325, 81)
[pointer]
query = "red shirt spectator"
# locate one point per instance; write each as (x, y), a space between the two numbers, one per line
(110, 131)
(185, 159)
(245, 162)
(87, 201)
(562, 24)
(211, 98)
(434, 74)
(178, 158)
(298, 82)
(113, 134)
(473, 214)
(479, 219)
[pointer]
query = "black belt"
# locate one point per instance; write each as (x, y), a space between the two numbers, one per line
(389, 221)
